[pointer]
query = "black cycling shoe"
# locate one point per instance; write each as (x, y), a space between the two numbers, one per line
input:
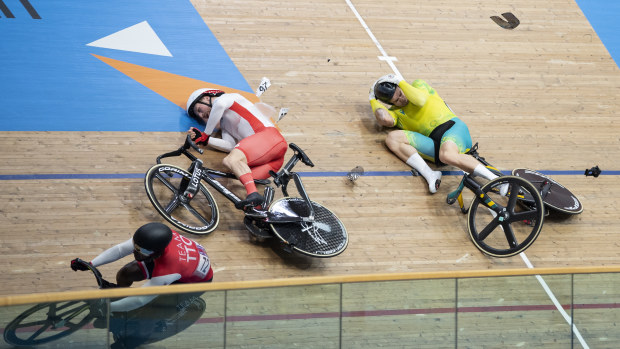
(253, 200)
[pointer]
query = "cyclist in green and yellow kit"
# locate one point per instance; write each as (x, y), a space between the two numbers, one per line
(428, 129)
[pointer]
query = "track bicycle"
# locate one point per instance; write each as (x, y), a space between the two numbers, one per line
(47, 322)
(301, 225)
(503, 226)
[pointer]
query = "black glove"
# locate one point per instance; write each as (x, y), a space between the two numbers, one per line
(200, 137)
(78, 264)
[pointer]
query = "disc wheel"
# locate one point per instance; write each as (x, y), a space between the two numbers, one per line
(165, 185)
(556, 196)
(47, 322)
(325, 237)
(515, 227)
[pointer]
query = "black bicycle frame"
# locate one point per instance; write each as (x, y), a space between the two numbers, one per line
(206, 176)
(280, 179)
(469, 183)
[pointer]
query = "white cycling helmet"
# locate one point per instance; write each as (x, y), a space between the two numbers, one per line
(195, 97)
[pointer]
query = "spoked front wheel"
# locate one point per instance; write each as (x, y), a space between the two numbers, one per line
(515, 227)
(325, 237)
(165, 185)
(47, 322)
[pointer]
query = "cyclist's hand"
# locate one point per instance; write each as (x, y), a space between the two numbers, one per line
(198, 136)
(390, 78)
(76, 264)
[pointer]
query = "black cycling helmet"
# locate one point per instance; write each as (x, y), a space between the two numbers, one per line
(384, 91)
(152, 238)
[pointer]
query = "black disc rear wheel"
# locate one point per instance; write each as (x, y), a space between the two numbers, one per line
(554, 194)
(326, 236)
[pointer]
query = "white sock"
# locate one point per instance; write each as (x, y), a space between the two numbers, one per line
(484, 172)
(432, 177)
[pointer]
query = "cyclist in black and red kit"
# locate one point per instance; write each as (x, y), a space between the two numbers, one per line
(161, 255)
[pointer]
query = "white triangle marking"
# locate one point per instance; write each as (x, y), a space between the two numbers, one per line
(137, 38)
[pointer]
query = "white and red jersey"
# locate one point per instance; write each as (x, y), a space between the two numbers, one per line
(237, 117)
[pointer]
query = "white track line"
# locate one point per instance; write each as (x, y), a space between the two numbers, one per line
(555, 302)
(390, 61)
(384, 56)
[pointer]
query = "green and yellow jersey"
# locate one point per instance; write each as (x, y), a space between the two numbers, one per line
(425, 110)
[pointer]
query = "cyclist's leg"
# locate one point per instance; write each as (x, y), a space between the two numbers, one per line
(258, 149)
(264, 147)
(262, 171)
(413, 148)
(454, 144)
(449, 154)
(237, 162)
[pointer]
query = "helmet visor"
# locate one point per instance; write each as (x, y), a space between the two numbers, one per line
(384, 91)
(142, 251)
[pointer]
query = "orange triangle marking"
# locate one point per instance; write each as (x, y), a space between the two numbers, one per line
(173, 87)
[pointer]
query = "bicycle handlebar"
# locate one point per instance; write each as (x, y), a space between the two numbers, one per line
(183, 150)
(103, 283)
(190, 143)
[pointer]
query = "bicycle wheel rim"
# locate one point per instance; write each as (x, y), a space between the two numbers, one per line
(323, 238)
(198, 216)
(481, 220)
(189, 311)
(33, 321)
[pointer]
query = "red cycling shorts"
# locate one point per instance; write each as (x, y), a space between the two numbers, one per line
(264, 151)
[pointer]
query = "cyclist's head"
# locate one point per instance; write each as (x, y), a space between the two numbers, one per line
(150, 240)
(198, 97)
(384, 91)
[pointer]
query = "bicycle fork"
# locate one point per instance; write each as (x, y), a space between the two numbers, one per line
(468, 182)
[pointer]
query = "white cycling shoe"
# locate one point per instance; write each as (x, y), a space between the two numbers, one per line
(434, 181)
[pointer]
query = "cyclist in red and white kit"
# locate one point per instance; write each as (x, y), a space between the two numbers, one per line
(254, 144)
(161, 255)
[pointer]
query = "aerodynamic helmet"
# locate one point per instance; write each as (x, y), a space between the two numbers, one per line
(152, 238)
(384, 91)
(195, 97)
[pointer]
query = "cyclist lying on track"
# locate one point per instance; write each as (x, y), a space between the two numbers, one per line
(161, 255)
(429, 130)
(254, 144)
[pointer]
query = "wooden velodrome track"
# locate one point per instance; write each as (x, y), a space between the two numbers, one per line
(542, 96)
